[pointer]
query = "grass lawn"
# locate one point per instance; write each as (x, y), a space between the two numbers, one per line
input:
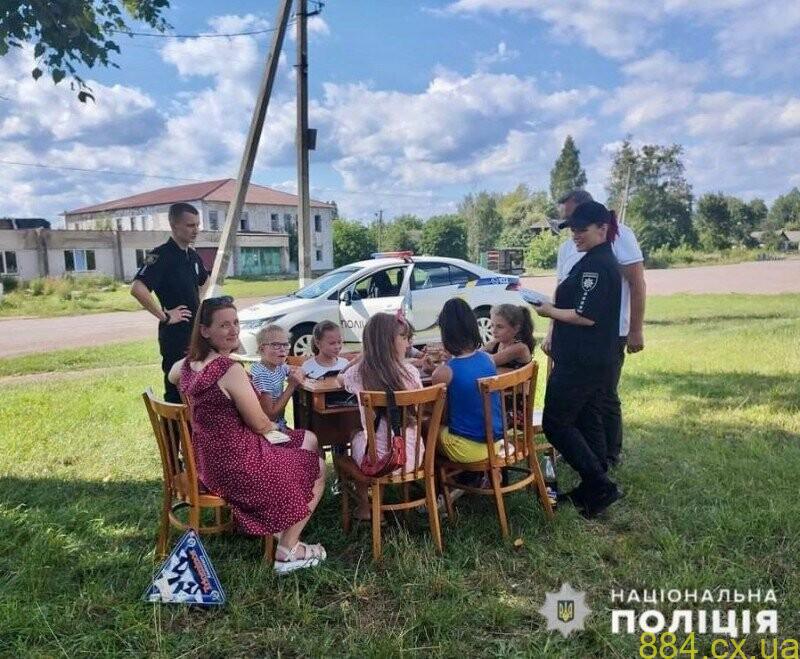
(65, 302)
(711, 460)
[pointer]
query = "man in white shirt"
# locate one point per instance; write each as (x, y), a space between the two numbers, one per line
(631, 317)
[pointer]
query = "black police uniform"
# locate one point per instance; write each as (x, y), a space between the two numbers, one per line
(585, 362)
(175, 275)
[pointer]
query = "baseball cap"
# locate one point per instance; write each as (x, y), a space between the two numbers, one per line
(589, 212)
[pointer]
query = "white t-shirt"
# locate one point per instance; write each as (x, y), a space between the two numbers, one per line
(313, 369)
(626, 249)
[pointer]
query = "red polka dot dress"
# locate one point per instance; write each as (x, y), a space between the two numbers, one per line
(267, 487)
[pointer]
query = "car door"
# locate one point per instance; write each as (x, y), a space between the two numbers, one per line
(431, 287)
(382, 291)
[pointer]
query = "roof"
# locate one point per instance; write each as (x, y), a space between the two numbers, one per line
(793, 236)
(24, 223)
(219, 190)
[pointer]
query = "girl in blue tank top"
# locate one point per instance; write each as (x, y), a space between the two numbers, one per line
(464, 438)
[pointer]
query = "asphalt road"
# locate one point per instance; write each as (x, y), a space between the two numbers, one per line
(31, 335)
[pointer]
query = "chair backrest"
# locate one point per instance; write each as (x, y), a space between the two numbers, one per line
(170, 423)
(517, 390)
(420, 409)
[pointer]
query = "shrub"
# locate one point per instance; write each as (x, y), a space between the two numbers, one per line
(543, 251)
(9, 284)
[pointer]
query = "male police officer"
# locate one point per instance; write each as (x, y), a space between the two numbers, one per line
(176, 274)
(629, 256)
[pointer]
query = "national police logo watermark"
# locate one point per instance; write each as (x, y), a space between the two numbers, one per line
(589, 281)
(565, 610)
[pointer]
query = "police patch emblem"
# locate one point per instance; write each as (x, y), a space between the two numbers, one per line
(150, 259)
(589, 281)
(565, 610)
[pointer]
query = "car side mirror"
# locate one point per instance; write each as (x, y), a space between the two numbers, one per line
(346, 297)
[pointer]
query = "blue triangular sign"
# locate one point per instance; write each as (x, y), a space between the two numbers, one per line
(187, 576)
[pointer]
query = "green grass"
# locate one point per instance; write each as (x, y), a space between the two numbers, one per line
(61, 299)
(712, 452)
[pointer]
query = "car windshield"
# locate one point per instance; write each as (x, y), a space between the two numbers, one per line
(325, 283)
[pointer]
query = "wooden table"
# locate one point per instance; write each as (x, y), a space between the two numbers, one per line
(331, 425)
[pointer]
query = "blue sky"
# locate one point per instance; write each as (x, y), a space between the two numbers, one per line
(419, 103)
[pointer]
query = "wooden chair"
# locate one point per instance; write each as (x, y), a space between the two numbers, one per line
(423, 409)
(543, 446)
(182, 488)
(518, 451)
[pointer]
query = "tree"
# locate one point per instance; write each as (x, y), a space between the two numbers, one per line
(543, 250)
(785, 211)
(484, 223)
(567, 173)
(713, 222)
(760, 212)
(745, 218)
(659, 198)
(73, 33)
(294, 243)
(352, 241)
(402, 234)
(444, 235)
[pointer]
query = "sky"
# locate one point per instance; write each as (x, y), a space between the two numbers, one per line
(418, 103)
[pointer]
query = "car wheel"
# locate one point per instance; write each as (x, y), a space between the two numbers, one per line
(301, 341)
(484, 325)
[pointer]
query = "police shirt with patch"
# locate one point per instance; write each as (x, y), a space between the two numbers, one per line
(174, 275)
(592, 288)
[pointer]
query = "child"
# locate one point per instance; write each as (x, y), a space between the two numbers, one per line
(327, 347)
(464, 439)
(382, 366)
(513, 342)
(270, 374)
(417, 357)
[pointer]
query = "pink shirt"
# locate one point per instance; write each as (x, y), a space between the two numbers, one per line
(353, 384)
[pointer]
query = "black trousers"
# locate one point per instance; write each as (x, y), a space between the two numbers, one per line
(572, 417)
(173, 340)
(611, 408)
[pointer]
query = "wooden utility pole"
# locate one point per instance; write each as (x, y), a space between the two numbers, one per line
(624, 206)
(303, 200)
(250, 151)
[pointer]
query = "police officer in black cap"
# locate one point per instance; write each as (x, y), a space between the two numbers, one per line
(585, 352)
(176, 274)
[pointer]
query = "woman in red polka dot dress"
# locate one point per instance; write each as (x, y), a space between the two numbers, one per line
(270, 488)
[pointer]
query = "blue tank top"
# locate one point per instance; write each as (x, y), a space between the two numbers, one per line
(464, 400)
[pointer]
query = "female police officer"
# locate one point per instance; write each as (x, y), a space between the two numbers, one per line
(584, 350)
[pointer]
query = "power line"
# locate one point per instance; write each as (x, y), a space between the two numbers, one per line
(96, 171)
(162, 35)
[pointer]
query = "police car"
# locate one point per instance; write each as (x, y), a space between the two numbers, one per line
(420, 285)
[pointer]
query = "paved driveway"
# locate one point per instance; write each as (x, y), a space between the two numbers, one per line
(21, 336)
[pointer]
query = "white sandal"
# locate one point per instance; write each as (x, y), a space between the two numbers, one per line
(313, 555)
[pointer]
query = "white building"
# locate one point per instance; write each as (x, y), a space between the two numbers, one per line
(262, 239)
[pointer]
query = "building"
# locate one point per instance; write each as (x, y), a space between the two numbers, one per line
(261, 241)
(786, 240)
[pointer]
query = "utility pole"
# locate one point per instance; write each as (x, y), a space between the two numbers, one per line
(379, 217)
(624, 206)
(303, 200)
(250, 150)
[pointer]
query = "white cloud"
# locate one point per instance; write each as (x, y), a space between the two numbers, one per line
(502, 53)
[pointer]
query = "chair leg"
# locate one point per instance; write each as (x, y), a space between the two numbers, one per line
(376, 521)
(494, 476)
(269, 549)
(345, 494)
(163, 528)
(448, 502)
(541, 488)
(433, 512)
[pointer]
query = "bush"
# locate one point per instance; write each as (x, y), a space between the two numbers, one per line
(543, 250)
(9, 284)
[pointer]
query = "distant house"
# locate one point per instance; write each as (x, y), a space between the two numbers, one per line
(23, 223)
(787, 240)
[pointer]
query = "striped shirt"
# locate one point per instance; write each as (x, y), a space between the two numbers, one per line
(271, 381)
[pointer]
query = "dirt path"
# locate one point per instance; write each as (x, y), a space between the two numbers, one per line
(20, 336)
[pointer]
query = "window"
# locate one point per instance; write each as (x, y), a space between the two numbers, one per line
(430, 275)
(319, 255)
(141, 254)
(318, 223)
(8, 263)
(287, 221)
(244, 221)
(275, 222)
(460, 276)
(133, 223)
(79, 260)
(384, 283)
(213, 220)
